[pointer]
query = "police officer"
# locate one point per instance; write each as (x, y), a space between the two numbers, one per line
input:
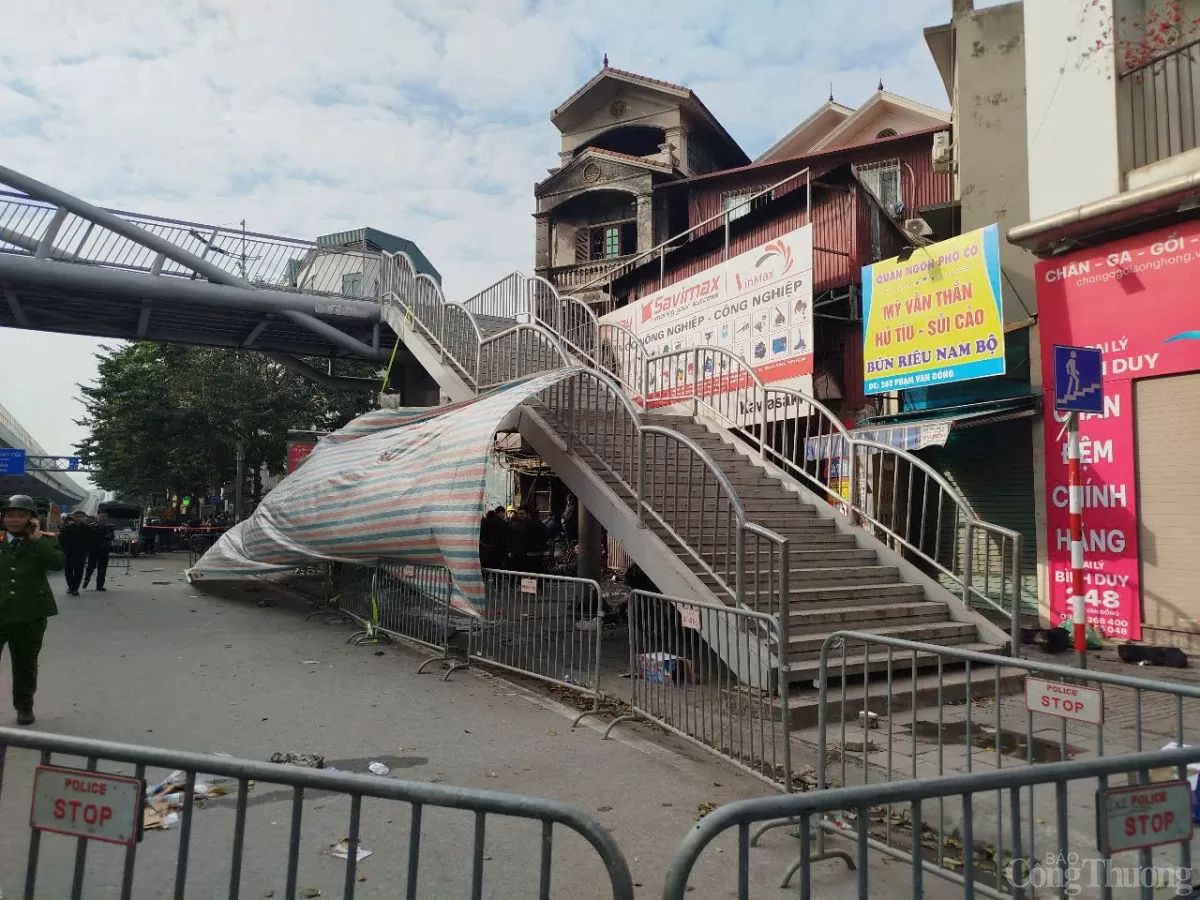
(26, 601)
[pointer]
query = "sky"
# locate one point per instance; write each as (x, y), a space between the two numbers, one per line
(425, 118)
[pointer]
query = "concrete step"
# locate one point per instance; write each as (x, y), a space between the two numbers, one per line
(835, 576)
(807, 670)
(801, 560)
(805, 621)
(805, 599)
(806, 647)
(951, 687)
(825, 577)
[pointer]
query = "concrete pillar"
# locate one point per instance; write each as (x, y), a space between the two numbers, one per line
(543, 254)
(591, 558)
(645, 222)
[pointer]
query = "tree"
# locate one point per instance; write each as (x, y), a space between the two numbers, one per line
(166, 419)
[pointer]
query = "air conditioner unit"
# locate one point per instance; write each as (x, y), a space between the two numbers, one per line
(943, 152)
(917, 227)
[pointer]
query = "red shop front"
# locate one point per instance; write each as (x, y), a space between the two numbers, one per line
(1138, 300)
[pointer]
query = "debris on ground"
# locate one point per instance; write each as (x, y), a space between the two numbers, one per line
(311, 662)
(705, 808)
(341, 850)
(306, 760)
(169, 795)
(378, 768)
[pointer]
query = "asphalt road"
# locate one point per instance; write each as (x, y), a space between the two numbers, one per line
(156, 662)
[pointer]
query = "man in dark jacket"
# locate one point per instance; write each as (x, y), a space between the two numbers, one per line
(102, 537)
(75, 540)
(26, 601)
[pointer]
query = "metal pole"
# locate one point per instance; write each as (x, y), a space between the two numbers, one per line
(725, 248)
(1075, 508)
(240, 485)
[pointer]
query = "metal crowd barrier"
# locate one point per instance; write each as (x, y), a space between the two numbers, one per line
(88, 819)
(704, 672)
(1071, 867)
(531, 626)
(891, 710)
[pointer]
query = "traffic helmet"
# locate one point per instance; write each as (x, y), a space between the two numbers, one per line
(21, 501)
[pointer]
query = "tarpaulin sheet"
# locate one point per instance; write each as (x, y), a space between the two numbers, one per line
(397, 484)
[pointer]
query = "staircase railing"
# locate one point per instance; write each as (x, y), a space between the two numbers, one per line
(888, 490)
(451, 328)
(673, 484)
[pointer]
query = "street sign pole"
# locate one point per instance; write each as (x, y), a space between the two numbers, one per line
(1078, 388)
(1075, 492)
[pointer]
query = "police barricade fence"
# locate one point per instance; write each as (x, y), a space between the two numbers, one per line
(91, 808)
(712, 674)
(548, 627)
(393, 600)
(891, 709)
(543, 626)
(1101, 848)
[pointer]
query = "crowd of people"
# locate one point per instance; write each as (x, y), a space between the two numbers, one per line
(514, 539)
(86, 542)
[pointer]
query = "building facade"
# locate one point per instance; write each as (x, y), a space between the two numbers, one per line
(622, 135)
(1114, 184)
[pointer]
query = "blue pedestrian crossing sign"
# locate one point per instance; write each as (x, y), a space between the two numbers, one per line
(1078, 379)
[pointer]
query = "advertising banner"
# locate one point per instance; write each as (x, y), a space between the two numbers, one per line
(756, 305)
(936, 317)
(298, 452)
(1131, 300)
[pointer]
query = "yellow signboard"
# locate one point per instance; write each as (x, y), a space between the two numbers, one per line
(935, 317)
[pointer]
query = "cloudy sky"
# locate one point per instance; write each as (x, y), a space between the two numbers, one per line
(426, 118)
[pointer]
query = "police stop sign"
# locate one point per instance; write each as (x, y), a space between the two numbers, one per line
(86, 804)
(1145, 815)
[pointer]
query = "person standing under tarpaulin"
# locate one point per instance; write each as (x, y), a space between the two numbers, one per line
(26, 601)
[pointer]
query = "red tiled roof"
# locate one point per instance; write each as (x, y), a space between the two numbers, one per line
(621, 73)
(648, 80)
(820, 154)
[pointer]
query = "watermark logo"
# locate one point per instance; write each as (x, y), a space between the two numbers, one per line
(1074, 874)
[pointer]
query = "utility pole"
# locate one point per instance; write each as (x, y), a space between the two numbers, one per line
(240, 485)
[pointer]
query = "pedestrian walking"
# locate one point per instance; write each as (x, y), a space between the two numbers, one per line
(75, 540)
(99, 547)
(26, 601)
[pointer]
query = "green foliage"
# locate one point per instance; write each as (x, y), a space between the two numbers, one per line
(166, 419)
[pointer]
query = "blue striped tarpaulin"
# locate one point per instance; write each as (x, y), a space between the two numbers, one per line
(404, 485)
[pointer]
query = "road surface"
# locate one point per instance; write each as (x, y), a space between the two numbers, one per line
(238, 670)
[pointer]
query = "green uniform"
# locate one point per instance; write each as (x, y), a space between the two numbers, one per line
(26, 603)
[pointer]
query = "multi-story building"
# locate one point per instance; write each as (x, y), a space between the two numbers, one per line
(862, 177)
(622, 136)
(1114, 184)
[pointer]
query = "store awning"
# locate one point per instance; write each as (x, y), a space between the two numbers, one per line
(928, 428)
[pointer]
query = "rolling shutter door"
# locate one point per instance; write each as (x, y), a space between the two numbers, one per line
(1167, 435)
(992, 467)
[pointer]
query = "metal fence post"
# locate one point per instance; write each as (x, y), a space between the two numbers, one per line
(739, 590)
(784, 658)
(1016, 597)
(969, 561)
(641, 478)
(570, 388)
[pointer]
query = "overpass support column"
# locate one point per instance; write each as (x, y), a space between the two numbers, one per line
(591, 545)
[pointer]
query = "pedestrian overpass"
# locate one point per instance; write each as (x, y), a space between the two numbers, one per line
(39, 481)
(798, 517)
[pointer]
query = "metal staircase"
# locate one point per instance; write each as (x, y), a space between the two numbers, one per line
(713, 503)
(717, 507)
